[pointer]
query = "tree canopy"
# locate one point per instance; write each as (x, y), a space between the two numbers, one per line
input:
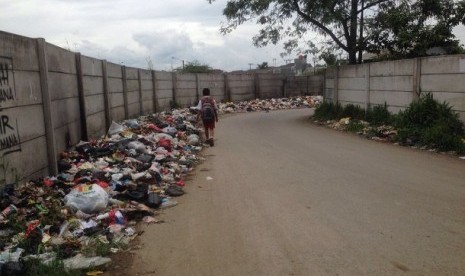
(264, 65)
(194, 67)
(352, 26)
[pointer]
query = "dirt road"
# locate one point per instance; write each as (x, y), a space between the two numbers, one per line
(291, 198)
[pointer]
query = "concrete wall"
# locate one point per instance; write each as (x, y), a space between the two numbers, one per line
(398, 83)
(304, 85)
(217, 85)
(23, 142)
(51, 98)
(270, 86)
(444, 77)
(241, 86)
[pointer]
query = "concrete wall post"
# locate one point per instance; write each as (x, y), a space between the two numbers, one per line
(106, 96)
(175, 88)
(336, 86)
(141, 102)
(82, 98)
(227, 91)
(154, 85)
(367, 86)
(257, 92)
(125, 93)
(47, 106)
(416, 79)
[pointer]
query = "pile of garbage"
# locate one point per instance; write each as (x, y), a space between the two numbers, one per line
(103, 188)
(270, 104)
(383, 133)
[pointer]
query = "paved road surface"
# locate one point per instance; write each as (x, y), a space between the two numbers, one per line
(291, 198)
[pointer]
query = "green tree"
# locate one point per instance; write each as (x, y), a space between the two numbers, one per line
(404, 30)
(194, 67)
(264, 65)
(342, 22)
(329, 58)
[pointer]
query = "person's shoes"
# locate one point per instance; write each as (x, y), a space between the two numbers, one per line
(212, 143)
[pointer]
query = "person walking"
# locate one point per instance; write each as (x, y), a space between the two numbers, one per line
(208, 113)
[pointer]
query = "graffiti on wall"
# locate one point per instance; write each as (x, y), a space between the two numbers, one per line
(9, 131)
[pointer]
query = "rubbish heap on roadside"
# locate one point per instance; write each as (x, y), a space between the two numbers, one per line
(383, 133)
(270, 104)
(105, 186)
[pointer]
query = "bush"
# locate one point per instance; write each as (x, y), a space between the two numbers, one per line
(379, 115)
(355, 126)
(429, 123)
(328, 111)
(355, 112)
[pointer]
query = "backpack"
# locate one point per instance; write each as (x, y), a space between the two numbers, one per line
(208, 110)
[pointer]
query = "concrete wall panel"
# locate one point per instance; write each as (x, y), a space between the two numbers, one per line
(114, 70)
(96, 125)
(115, 85)
(352, 96)
(91, 66)
(443, 65)
(62, 86)
(352, 71)
(456, 100)
(117, 99)
(67, 135)
(31, 159)
(66, 111)
(358, 84)
(94, 104)
(394, 83)
(392, 98)
(25, 123)
(60, 60)
(147, 107)
(131, 73)
(134, 110)
(445, 83)
(22, 50)
(133, 85)
(92, 85)
(117, 113)
(392, 68)
(133, 97)
(26, 90)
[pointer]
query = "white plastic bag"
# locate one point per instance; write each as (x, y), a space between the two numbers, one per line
(87, 198)
(193, 140)
(115, 128)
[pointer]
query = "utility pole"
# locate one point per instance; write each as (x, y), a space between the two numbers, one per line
(250, 66)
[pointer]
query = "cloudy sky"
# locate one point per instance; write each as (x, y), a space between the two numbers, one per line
(133, 32)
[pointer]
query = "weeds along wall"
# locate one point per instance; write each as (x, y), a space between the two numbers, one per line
(398, 83)
(52, 98)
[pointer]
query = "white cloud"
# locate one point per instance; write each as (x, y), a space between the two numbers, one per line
(129, 32)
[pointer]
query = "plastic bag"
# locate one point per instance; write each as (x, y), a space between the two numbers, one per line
(115, 128)
(87, 198)
(193, 140)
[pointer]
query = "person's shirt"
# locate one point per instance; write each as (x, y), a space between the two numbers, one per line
(199, 106)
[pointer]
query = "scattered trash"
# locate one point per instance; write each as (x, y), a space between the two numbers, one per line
(81, 262)
(462, 157)
(105, 186)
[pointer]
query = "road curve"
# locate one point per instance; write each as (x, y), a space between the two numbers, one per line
(292, 198)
